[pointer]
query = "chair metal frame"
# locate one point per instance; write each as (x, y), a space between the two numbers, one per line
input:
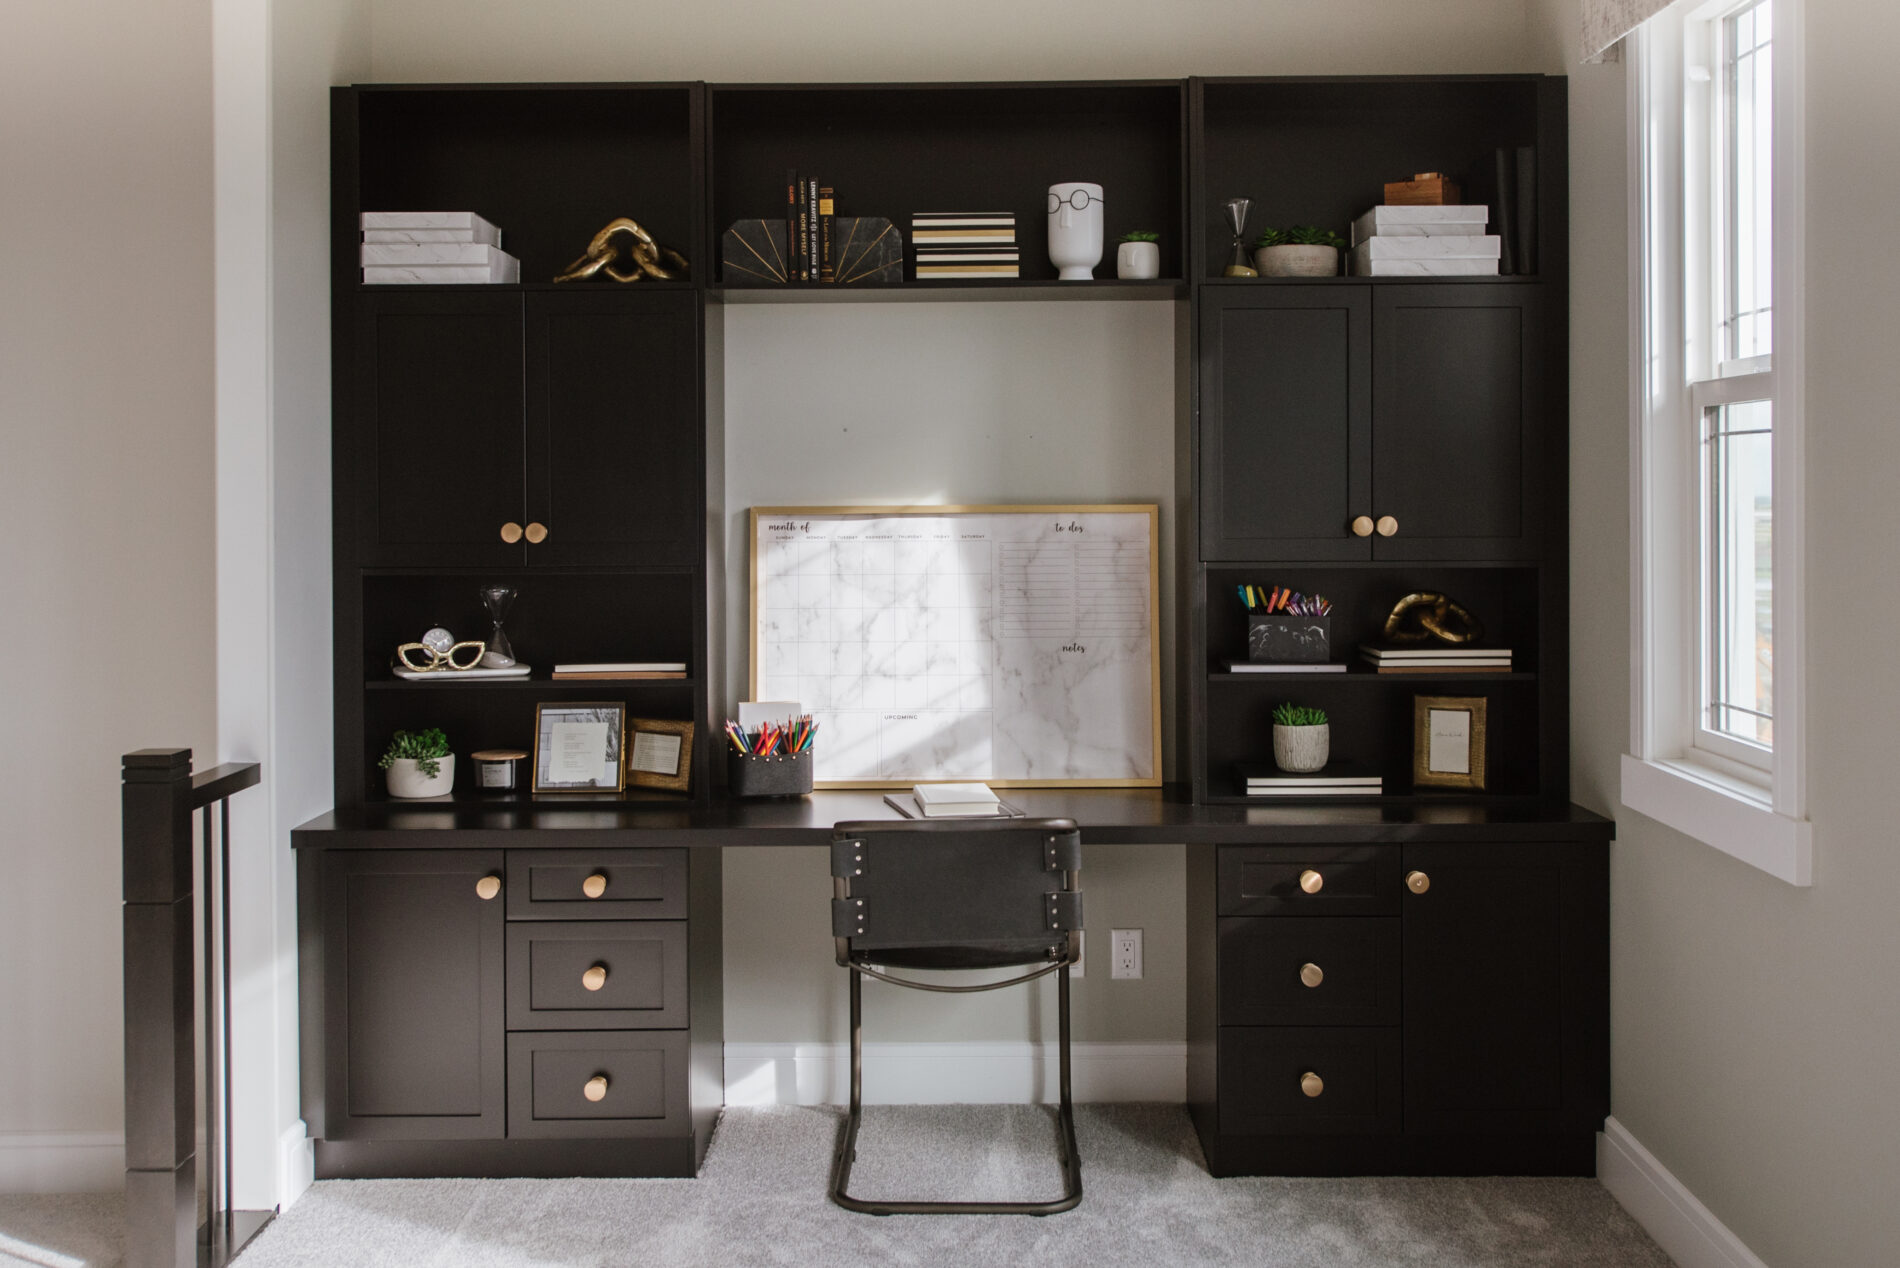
(1065, 952)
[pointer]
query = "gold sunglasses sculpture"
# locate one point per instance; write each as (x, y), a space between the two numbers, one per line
(437, 661)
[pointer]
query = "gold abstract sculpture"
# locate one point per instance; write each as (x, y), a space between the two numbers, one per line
(648, 258)
(1427, 615)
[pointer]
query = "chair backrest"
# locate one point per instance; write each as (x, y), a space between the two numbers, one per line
(955, 883)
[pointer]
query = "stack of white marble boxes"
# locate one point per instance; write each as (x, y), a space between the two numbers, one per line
(1424, 242)
(421, 248)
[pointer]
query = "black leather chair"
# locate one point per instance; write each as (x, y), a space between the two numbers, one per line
(956, 894)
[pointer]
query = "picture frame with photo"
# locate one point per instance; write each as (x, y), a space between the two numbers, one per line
(1448, 742)
(660, 754)
(577, 747)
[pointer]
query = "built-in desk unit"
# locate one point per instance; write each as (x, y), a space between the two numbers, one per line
(498, 984)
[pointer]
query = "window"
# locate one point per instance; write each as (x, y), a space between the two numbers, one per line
(1715, 222)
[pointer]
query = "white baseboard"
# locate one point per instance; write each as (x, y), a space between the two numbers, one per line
(61, 1162)
(296, 1164)
(1650, 1192)
(952, 1073)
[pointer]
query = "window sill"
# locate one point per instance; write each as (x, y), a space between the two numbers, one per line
(1736, 818)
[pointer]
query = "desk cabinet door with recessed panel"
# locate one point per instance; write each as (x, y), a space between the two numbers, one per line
(613, 450)
(413, 1021)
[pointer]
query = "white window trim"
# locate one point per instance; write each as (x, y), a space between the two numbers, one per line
(1757, 817)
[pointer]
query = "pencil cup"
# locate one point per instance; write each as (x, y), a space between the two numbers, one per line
(1280, 638)
(788, 775)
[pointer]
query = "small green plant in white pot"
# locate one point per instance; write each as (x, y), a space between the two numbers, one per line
(419, 764)
(1302, 740)
(1138, 258)
(1302, 251)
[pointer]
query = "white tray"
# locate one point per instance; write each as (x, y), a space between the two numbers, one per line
(460, 675)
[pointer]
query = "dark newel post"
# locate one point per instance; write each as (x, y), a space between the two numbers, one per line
(161, 1186)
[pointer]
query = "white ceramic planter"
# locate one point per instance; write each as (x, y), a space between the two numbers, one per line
(1297, 261)
(1300, 750)
(1075, 230)
(1138, 261)
(407, 782)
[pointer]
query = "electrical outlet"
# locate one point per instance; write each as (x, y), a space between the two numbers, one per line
(1081, 953)
(1124, 953)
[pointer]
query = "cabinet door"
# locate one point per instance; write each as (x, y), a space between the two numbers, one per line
(414, 1032)
(438, 427)
(1458, 419)
(614, 467)
(1506, 985)
(1286, 411)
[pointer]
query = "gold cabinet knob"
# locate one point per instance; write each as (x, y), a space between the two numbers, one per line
(595, 978)
(1362, 526)
(1312, 1084)
(594, 886)
(1417, 882)
(1311, 975)
(595, 1089)
(1312, 882)
(1386, 526)
(511, 532)
(487, 887)
(537, 532)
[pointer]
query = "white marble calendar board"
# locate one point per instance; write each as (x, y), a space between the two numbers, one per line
(1014, 644)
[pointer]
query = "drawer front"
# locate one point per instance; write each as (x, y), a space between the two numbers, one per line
(641, 982)
(633, 884)
(1351, 963)
(1291, 880)
(1262, 1069)
(644, 1091)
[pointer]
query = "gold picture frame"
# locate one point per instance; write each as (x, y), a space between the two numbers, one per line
(653, 744)
(549, 748)
(1448, 742)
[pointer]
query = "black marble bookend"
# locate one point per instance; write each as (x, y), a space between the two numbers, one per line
(753, 252)
(867, 249)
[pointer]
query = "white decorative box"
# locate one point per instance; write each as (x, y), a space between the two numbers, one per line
(1420, 222)
(503, 268)
(427, 220)
(483, 232)
(411, 254)
(1461, 255)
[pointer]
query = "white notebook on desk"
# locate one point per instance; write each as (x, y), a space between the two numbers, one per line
(959, 800)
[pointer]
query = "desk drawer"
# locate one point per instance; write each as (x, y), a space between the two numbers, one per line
(641, 982)
(1265, 966)
(1262, 1069)
(643, 1093)
(1274, 880)
(632, 884)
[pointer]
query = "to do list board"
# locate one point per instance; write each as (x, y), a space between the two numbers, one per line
(1013, 644)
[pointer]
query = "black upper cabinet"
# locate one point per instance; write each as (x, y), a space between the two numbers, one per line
(1355, 421)
(1286, 404)
(1457, 408)
(413, 996)
(571, 417)
(614, 462)
(439, 436)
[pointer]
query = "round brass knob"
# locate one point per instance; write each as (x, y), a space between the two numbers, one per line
(537, 532)
(487, 887)
(1417, 882)
(1386, 526)
(1312, 882)
(511, 532)
(1312, 1084)
(595, 1089)
(595, 978)
(594, 886)
(1312, 974)
(1362, 526)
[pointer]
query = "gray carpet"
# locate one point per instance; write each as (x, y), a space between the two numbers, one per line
(760, 1199)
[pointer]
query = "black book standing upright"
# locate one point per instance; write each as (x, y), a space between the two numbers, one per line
(1507, 215)
(1527, 209)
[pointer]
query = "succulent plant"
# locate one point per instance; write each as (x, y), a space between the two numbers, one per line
(425, 747)
(1301, 236)
(1298, 715)
(1141, 235)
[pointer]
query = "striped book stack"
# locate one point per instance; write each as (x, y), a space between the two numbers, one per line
(960, 245)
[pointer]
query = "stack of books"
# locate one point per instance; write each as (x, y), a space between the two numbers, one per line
(1430, 660)
(422, 248)
(952, 801)
(1448, 241)
(1334, 781)
(965, 244)
(614, 671)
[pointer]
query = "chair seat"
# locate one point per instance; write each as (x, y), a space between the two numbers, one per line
(967, 955)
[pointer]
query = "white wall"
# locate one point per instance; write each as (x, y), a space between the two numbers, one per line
(106, 586)
(1755, 1025)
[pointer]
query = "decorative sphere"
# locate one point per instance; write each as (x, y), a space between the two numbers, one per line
(439, 641)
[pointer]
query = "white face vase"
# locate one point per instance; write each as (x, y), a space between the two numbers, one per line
(1075, 230)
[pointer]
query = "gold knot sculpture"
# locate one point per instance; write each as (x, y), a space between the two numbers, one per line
(647, 258)
(1428, 615)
